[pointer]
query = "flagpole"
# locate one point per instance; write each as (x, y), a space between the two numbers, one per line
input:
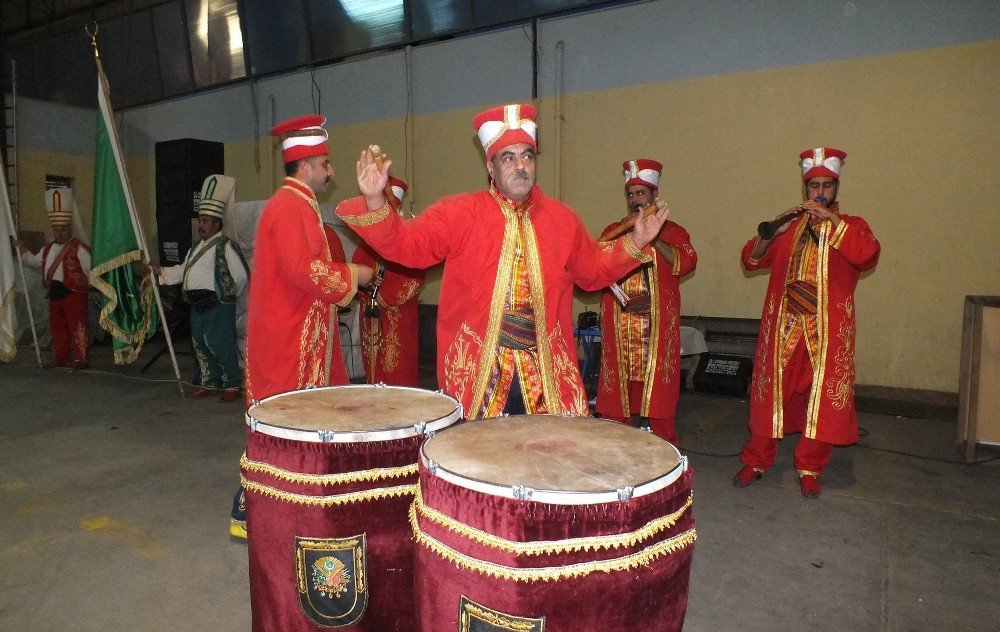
(20, 262)
(130, 202)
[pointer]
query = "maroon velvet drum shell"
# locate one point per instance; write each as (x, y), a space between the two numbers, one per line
(329, 475)
(551, 524)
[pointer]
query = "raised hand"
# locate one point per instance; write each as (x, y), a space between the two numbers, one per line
(647, 228)
(372, 180)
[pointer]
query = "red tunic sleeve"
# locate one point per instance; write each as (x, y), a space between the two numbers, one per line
(855, 241)
(685, 257)
(417, 243)
(306, 270)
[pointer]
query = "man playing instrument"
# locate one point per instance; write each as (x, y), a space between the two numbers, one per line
(213, 275)
(511, 257)
(640, 319)
(389, 321)
(65, 266)
(293, 334)
(803, 377)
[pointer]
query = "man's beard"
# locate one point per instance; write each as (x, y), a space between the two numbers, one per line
(637, 206)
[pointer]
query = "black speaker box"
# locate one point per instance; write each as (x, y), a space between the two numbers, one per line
(181, 167)
(723, 373)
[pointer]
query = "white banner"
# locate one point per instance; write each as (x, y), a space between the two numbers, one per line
(8, 276)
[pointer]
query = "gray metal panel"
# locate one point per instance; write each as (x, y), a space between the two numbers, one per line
(224, 116)
(54, 127)
(666, 40)
(487, 69)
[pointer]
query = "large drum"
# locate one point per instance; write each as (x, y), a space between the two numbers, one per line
(329, 476)
(561, 524)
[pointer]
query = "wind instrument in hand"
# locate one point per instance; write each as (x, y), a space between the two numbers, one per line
(629, 223)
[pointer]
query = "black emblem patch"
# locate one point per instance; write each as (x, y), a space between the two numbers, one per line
(473, 617)
(332, 578)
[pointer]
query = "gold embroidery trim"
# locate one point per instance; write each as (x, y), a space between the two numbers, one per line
(837, 237)
(822, 328)
(675, 268)
(309, 199)
(802, 473)
(375, 474)
(603, 542)
(550, 573)
(550, 387)
(501, 286)
(496, 619)
(633, 250)
(327, 501)
(752, 260)
(840, 388)
(369, 218)
(653, 344)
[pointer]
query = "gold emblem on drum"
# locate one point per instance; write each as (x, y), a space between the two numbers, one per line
(330, 576)
(474, 617)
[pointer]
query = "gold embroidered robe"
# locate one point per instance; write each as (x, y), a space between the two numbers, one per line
(841, 256)
(475, 237)
(293, 337)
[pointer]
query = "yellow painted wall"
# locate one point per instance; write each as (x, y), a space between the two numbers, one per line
(921, 130)
(33, 167)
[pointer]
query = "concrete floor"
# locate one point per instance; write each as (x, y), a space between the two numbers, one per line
(115, 494)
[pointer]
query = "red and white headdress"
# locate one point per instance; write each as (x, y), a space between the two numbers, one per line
(302, 137)
(506, 125)
(642, 171)
(60, 206)
(822, 161)
(398, 189)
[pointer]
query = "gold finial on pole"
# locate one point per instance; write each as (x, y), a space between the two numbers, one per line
(93, 37)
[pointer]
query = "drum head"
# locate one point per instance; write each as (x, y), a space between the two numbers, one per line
(566, 455)
(352, 410)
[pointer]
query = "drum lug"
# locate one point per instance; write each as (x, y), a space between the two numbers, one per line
(523, 492)
(684, 462)
(253, 425)
(432, 467)
(326, 436)
(380, 385)
(625, 493)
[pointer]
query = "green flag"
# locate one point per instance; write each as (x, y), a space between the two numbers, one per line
(128, 309)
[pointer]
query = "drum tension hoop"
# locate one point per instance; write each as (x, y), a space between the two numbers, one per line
(523, 492)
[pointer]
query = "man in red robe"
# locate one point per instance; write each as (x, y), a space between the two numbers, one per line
(65, 266)
(511, 257)
(803, 377)
(296, 286)
(641, 317)
(389, 322)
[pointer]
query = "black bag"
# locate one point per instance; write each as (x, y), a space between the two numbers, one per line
(57, 291)
(202, 300)
(588, 320)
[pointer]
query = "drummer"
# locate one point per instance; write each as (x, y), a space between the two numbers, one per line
(511, 257)
(296, 287)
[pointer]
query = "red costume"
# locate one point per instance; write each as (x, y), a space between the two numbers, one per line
(390, 341)
(390, 337)
(293, 339)
(68, 315)
(803, 377)
(478, 235)
(640, 370)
